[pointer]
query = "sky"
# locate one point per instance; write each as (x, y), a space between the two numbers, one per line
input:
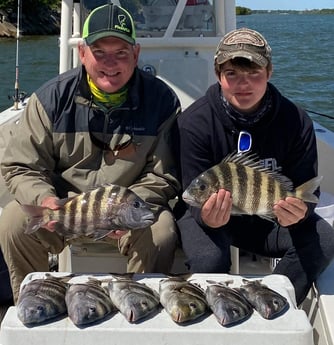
(285, 4)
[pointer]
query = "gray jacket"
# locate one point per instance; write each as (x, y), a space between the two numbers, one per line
(61, 143)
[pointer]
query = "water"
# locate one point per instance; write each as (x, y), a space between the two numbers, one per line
(302, 57)
(38, 62)
(302, 49)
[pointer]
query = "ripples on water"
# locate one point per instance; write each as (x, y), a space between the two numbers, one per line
(302, 57)
(38, 62)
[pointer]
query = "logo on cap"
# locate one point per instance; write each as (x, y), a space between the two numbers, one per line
(122, 23)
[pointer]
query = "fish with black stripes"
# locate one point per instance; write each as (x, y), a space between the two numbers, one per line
(254, 188)
(88, 302)
(266, 301)
(135, 300)
(228, 305)
(183, 300)
(42, 300)
(95, 213)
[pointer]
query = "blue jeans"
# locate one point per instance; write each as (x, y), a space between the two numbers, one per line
(306, 248)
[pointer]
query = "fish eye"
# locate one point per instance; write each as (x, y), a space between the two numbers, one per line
(193, 305)
(235, 311)
(136, 204)
(202, 187)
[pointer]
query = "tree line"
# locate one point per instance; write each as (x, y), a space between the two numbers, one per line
(28, 6)
(245, 11)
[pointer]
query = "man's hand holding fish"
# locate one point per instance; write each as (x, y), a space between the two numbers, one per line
(50, 202)
(216, 211)
(290, 211)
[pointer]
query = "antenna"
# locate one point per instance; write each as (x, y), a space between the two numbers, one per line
(16, 94)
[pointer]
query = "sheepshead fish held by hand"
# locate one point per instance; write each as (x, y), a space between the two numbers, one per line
(227, 304)
(133, 299)
(88, 302)
(254, 189)
(42, 300)
(96, 213)
(267, 302)
(182, 300)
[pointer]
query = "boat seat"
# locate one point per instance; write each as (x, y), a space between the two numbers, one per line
(104, 258)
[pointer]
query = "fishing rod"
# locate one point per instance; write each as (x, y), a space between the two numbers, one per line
(320, 114)
(17, 95)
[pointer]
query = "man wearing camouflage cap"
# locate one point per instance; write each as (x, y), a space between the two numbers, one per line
(244, 112)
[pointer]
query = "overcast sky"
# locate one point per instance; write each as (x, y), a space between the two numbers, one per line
(285, 4)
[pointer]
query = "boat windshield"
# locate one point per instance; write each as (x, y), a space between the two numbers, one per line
(158, 18)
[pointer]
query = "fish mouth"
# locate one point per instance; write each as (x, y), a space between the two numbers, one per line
(148, 217)
(141, 222)
(131, 317)
(190, 201)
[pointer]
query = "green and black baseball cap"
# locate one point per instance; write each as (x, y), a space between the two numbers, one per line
(109, 20)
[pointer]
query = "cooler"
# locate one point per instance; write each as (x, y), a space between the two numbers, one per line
(291, 328)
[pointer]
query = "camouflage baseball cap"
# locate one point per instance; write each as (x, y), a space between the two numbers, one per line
(244, 43)
(109, 20)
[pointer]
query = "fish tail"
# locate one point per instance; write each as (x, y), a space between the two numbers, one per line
(306, 190)
(36, 214)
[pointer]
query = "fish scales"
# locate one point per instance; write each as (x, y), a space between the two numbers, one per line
(88, 302)
(42, 300)
(86, 206)
(254, 188)
(182, 300)
(68, 220)
(266, 301)
(261, 187)
(96, 213)
(133, 299)
(227, 304)
(93, 200)
(241, 172)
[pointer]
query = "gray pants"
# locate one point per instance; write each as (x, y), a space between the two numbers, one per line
(150, 250)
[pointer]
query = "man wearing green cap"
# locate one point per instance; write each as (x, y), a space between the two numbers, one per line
(105, 122)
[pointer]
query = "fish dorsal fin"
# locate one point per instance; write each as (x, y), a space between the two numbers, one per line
(122, 276)
(253, 161)
(61, 202)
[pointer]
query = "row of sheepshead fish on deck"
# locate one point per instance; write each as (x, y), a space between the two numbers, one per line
(92, 301)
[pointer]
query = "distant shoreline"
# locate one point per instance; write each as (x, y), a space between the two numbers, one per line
(45, 22)
(48, 21)
(246, 11)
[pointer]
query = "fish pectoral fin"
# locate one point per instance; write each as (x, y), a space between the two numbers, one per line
(62, 202)
(100, 234)
(35, 213)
